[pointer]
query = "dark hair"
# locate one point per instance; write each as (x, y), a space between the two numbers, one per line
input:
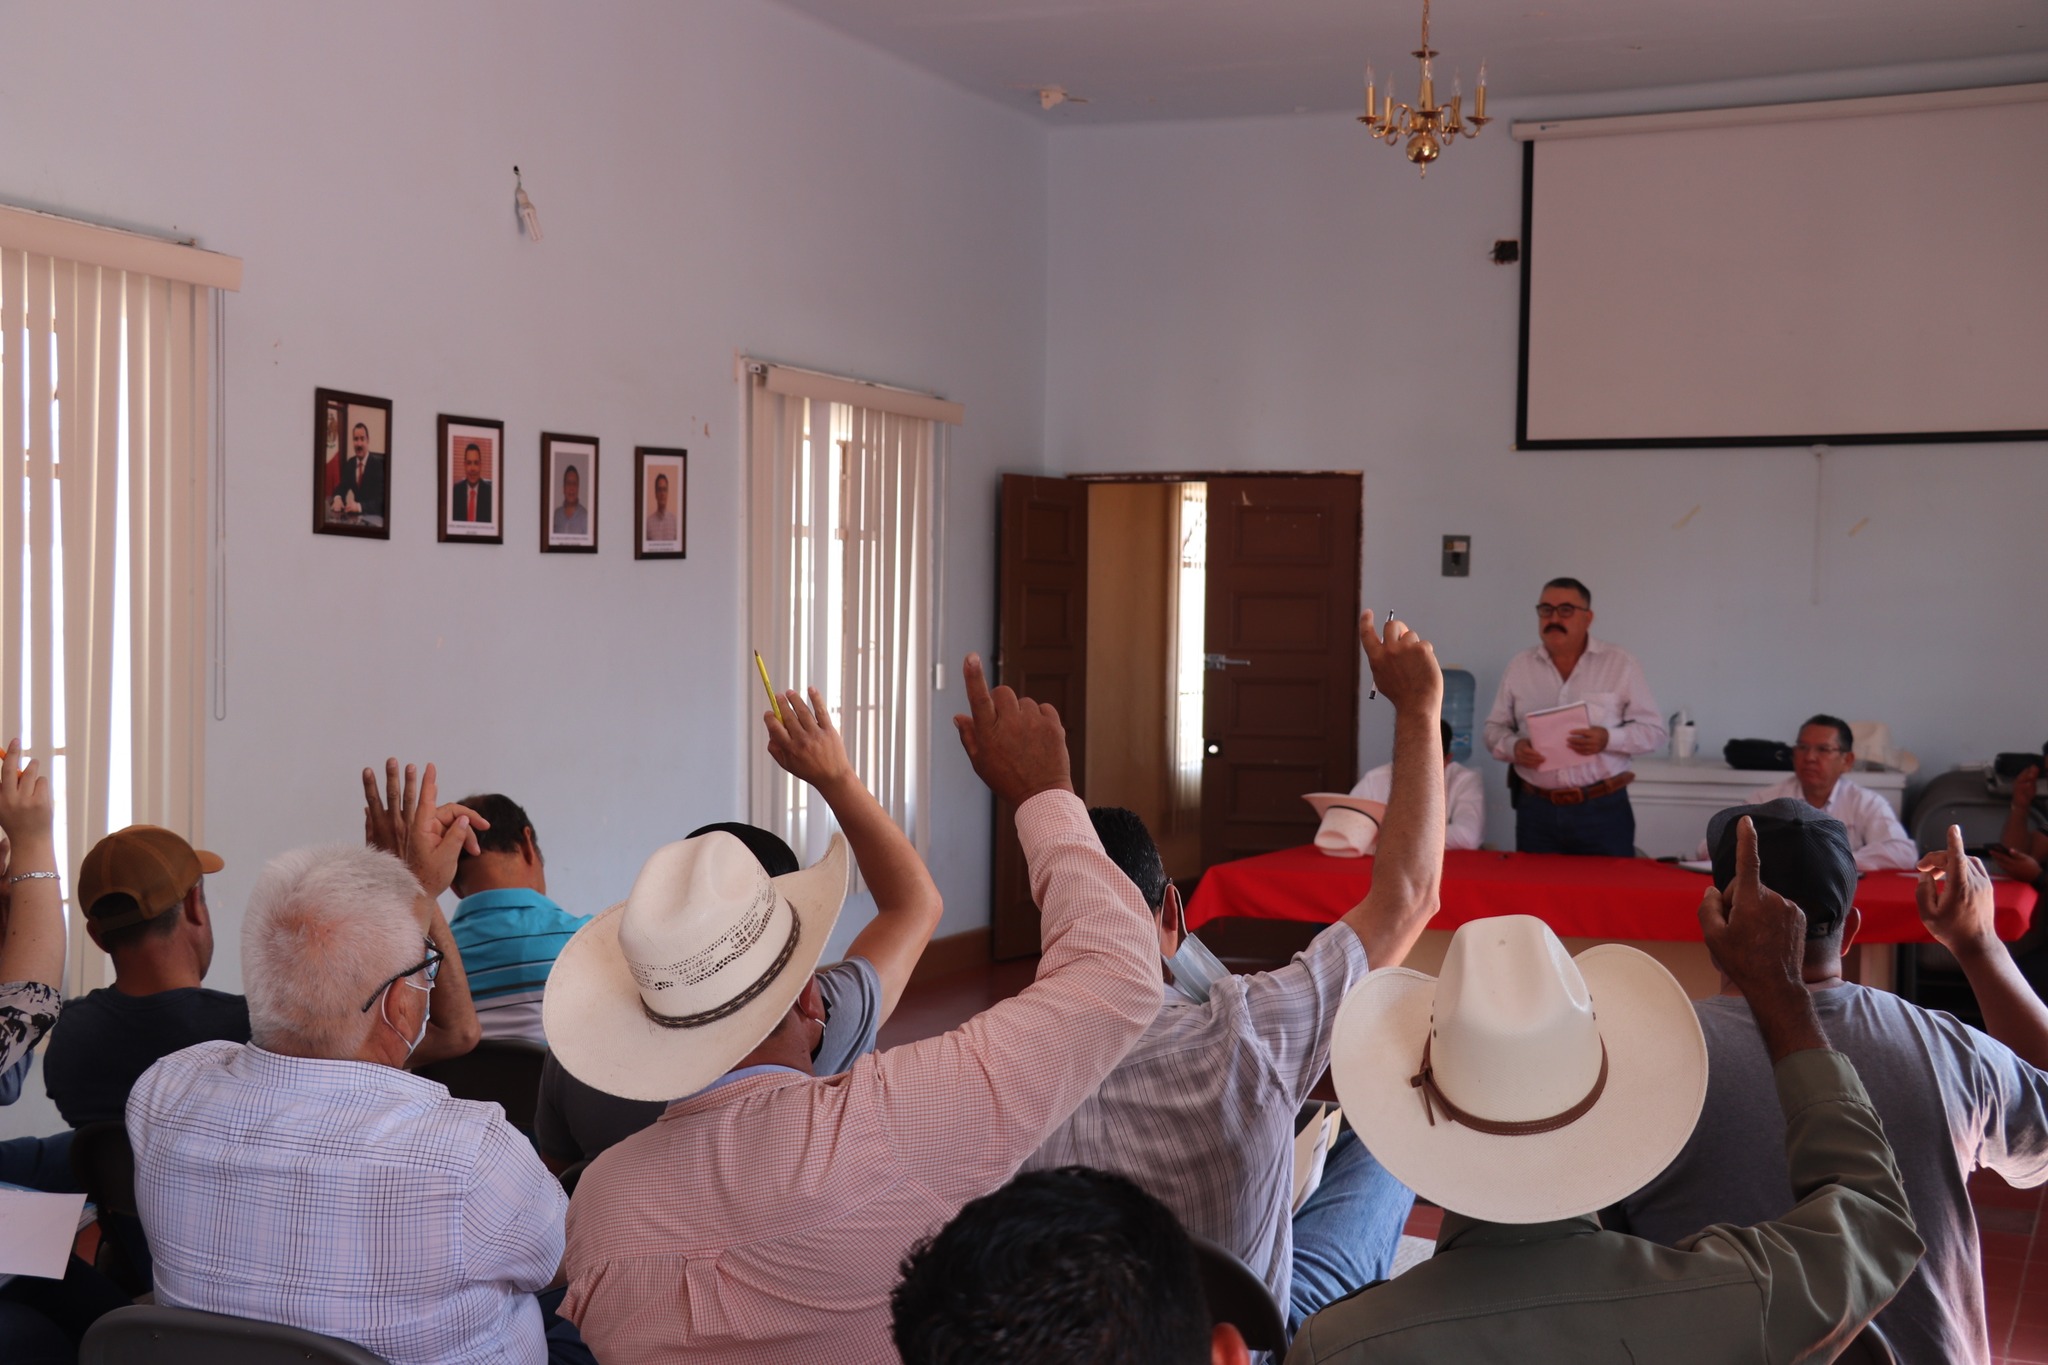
(115, 904)
(776, 858)
(1838, 725)
(660, 479)
(474, 446)
(363, 427)
(1443, 729)
(1129, 845)
(1069, 1265)
(508, 824)
(1575, 585)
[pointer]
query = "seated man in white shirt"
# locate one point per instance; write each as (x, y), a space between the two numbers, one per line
(1826, 751)
(1464, 798)
(306, 1178)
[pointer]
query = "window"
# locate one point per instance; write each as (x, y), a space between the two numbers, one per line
(104, 396)
(842, 592)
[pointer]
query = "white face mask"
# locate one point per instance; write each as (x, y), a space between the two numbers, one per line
(426, 1011)
(1194, 968)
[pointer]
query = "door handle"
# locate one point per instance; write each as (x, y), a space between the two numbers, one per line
(1215, 749)
(1216, 663)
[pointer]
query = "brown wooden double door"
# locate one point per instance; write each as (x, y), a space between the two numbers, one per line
(1280, 708)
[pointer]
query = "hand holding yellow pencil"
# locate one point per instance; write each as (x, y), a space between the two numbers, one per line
(768, 687)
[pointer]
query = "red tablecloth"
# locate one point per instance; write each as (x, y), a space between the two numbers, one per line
(1585, 897)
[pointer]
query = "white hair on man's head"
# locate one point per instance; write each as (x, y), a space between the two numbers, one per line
(323, 927)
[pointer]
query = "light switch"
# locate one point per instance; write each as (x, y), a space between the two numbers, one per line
(1457, 556)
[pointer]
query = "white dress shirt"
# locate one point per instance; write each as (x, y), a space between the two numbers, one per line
(1876, 837)
(346, 1198)
(1464, 803)
(1608, 679)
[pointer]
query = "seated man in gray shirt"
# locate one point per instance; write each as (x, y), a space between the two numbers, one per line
(1200, 1114)
(1952, 1100)
(574, 1122)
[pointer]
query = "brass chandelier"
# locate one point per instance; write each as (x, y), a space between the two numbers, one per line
(1429, 127)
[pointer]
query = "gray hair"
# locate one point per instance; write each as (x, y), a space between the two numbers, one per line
(323, 927)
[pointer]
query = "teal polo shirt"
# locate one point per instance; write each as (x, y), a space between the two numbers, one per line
(509, 940)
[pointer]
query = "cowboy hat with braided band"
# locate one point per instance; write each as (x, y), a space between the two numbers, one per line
(660, 995)
(1523, 1084)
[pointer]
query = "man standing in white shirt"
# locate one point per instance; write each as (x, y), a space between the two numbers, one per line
(1581, 806)
(1825, 752)
(1464, 798)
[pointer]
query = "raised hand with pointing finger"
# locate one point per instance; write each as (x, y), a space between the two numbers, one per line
(1017, 746)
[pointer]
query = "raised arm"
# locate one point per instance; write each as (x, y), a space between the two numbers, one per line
(33, 946)
(907, 903)
(2018, 817)
(968, 1106)
(1827, 1266)
(1408, 864)
(1957, 906)
(431, 838)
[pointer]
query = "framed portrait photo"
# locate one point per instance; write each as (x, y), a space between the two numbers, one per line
(568, 494)
(351, 465)
(660, 495)
(472, 480)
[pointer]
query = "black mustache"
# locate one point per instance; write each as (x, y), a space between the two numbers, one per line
(1559, 629)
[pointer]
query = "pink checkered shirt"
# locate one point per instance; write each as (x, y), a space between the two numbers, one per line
(766, 1220)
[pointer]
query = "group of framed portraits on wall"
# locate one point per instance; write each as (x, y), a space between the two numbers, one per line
(352, 482)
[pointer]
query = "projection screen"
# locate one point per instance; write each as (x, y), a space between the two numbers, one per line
(1871, 270)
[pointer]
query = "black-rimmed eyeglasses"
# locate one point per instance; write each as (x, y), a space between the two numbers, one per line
(1563, 611)
(432, 967)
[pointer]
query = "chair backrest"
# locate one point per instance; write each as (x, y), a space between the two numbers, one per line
(150, 1334)
(1961, 797)
(104, 1165)
(1239, 1297)
(506, 1070)
(571, 1174)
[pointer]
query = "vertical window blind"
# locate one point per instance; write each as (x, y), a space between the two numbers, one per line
(842, 536)
(105, 383)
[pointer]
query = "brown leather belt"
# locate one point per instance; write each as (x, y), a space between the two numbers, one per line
(1579, 796)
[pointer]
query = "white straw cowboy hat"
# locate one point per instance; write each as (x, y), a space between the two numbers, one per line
(1350, 824)
(1524, 1084)
(658, 996)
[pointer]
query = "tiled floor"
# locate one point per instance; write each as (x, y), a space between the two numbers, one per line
(2013, 1223)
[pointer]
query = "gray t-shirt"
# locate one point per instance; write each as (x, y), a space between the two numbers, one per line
(1952, 1100)
(574, 1121)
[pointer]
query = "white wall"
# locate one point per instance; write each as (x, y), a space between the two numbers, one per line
(710, 177)
(1284, 294)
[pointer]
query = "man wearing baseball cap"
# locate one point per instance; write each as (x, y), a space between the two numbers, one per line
(1525, 1090)
(143, 890)
(1953, 1101)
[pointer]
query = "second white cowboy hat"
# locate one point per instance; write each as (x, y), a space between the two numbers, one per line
(1351, 824)
(1523, 1084)
(658, 996)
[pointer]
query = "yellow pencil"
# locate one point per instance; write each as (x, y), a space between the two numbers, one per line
(767, 686)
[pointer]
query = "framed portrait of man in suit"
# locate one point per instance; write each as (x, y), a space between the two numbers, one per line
(472, 482)
(351, 465)
(568, 494)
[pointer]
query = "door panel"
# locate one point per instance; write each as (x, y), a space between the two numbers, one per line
(1282, 595)
(1042, 652)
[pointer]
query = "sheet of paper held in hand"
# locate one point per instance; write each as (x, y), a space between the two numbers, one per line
(1551, 732)
(36, 1231)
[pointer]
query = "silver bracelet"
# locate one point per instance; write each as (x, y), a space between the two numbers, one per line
(31, 877)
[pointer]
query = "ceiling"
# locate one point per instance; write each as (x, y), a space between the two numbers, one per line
(1150, 59)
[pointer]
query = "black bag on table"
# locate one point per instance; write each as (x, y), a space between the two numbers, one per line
(1759, 755)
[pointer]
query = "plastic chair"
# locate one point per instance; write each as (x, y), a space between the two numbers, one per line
(150, 1334)
(1239, 1297)
(504, 1070)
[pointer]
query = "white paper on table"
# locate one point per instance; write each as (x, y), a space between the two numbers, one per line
(1551, 732)
(36, 1231)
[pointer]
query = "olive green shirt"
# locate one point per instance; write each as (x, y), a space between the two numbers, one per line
(1800, 1287)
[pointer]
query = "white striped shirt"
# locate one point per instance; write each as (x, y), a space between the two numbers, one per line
(1608, 679)
(346, 1198)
